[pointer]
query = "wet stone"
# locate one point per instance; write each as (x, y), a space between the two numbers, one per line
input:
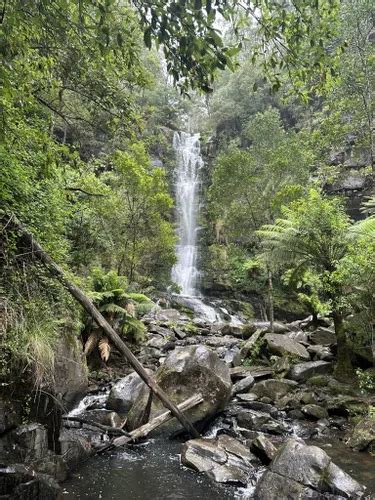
(224, 459)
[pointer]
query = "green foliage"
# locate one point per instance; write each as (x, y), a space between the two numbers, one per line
(113, 300)
(312, 236)
(366, 379)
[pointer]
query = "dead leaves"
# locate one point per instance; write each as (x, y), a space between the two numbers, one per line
(96, 340)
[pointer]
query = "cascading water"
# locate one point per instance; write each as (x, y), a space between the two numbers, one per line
(185, 273)
(189, 163)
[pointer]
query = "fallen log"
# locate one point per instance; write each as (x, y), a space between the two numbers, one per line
(145, 429)
(102, 427)
(89, 307)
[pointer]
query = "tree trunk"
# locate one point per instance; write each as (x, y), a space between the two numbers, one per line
(344, 368)
(270, 300)
(89, 307)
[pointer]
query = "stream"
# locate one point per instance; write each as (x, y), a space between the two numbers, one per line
(151, 470)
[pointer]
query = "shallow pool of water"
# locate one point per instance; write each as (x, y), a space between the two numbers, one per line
(360, 465)
(149, 471)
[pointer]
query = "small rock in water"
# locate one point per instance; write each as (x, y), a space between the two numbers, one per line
(224, 459)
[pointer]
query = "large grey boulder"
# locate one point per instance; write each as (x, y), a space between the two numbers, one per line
(301, 471)
(125, 392)
(223, 459)
(185, 372)
(283, 345)
(303, 371)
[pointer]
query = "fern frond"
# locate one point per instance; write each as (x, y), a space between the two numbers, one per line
(137, 297)
(365, 228)
(113, 308)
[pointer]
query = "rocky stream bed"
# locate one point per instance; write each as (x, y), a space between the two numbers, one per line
(275, 422)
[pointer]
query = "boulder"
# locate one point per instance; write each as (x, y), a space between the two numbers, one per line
(303, 371)
(157, 341)
(103, 417)
(301, 471)
(276, 487)
(75, 447)
(223, 459)
(314, 412)
(234, 330)
(255, 371)
(232, 357)
(10, 414)
(179, 333)
(70, 371)
(266, 326)
(160, 330)
(247, 396)
(323, 336)
(243, 385)
(224, 341)
(20, 483)
(260, 421)
(170, 315)
(320, 352)
(125, 392)
(263, 449)
(185, 372)
(264, 407)
(283, 345)
(274, 388)
(31, 441)
(298, 336)
(363, 434)
(248, 347)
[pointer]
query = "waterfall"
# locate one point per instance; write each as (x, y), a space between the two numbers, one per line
(187, 186)
(189, 163)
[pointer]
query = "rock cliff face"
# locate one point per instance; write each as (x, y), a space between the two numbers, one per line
(70, 375)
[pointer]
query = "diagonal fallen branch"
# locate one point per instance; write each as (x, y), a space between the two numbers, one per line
(89, 307)
(144, 430)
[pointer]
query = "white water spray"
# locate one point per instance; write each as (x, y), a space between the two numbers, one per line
(189, 163)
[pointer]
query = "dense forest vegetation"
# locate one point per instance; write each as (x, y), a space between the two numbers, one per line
(91, 93)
